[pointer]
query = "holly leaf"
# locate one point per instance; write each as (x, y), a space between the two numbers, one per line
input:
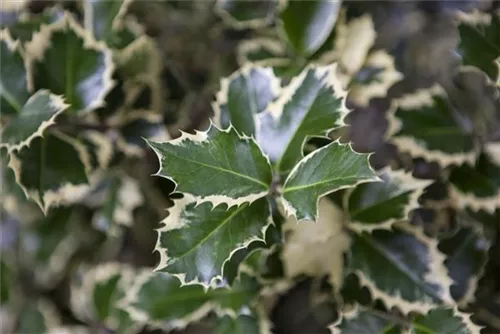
(246, 14)
(311, 105)
(95, 297)
(263, 51)
(364, 320)
(480, 41)
(38, 317)
(467, 252)
(243, 324)
(378, 205)
(444, 319)
(30, 23)
(231, 168)
(243, 95)
(66, 60)
(476, 187)
(307, 24)
(13, 78)
(422, 124)
(197, 240)
(39, 112)
(104, 18)
(51, 170)
(328, 169)
(162, 301)
(414, 277)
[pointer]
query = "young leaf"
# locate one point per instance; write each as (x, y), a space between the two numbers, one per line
(95, 298)
(51, 170)
(444, 320)
(82, 67)
(330, 168)
(103, 18)
(307, 24)
(364, 320)
(13, 78)
(39, 112)
(196, 240)
(377, 205)
(246, 14)
(232, 169)
(243, 95)
(311, 105)
(467, 253)
(413, 278)
(476, 187)
(162, 301)
(422, 124)
(480, 41)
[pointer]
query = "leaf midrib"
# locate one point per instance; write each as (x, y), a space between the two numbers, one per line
(266, 186)
(397, 265)
(377, 203)
(290, 189)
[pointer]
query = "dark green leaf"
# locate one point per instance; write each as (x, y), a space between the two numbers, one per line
(39, 112)
(363, 320)
(13, 78)
(51, 170)
(324, 171)
(196, 240)
(243, 95)
(311, 105)
(307, 24)
(243, 324)
(231, 168)
(413, 276)
(444, 320)
(37, 317)
(66, 60)
(103, 17)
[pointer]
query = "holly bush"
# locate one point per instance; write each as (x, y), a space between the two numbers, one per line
(249, 167)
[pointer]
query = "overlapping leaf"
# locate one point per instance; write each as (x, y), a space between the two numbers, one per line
(44, 173)
(231, 168)
(363, 320)
(95, 298)
(480, 40)
(477, 187)
(378, 205)
(243, 95)
(13, 78)
(104, 18)
(65, 59)
(330, 168)
(246, 14)
(311, 105)
(308, 24)
(422, 124)
(160, 300)
(196, 240)
(401, 267)
(36, 115)
(467, 252)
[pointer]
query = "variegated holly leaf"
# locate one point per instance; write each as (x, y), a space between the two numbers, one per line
(196, 240)
(246, 14)
(161, 300)
(364, 320)
(263, 51)
(311, 105)
(413, 277)
(29, 23)
(444, 320)
(104, 18)
(330, 168)
(476, 187)
(243, 95)
(307, 24)
(65, 59)
(95, 297)
(377, 205)
(422, 124)
(480, 41)
(243, 324)
(13, 78)
(39, 112)
(232, 168)
(52, 170)
(100, 147)
(467, 253)
(38, 317)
